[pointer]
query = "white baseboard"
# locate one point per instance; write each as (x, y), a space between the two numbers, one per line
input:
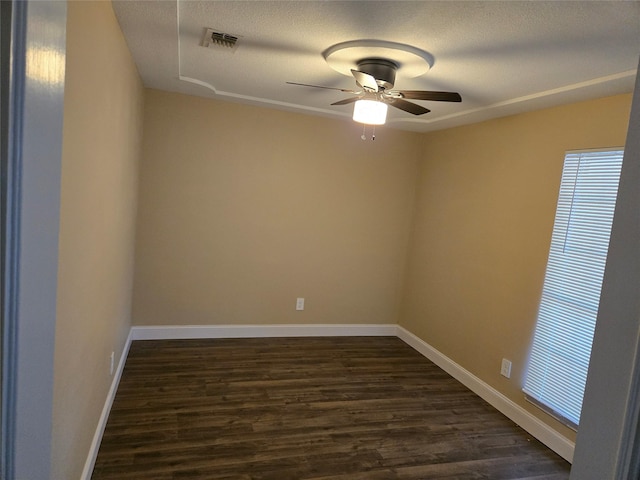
(556, 442)
(102, 422)
(258, 331)
(552, 439)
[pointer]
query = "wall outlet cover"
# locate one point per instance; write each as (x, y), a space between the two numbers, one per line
(505, 369)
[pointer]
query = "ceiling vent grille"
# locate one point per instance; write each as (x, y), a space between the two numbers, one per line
(213, 39)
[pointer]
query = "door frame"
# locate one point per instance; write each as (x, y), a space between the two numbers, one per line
(34, 96)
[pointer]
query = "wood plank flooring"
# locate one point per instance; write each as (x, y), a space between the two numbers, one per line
(340, 408)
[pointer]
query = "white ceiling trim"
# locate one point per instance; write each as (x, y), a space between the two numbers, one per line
(262, 101)
(629, 74)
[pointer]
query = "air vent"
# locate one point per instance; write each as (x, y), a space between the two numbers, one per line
(213, 39)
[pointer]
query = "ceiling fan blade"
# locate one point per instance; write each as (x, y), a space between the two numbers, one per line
(433, 96)
(408, 106)
(365, 80)
(320, 86)
(346, 101)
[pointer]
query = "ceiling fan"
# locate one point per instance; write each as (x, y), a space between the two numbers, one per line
(375, 78)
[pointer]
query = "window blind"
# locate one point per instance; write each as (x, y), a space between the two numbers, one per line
(559, 358)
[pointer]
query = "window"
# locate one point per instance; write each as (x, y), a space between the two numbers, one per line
(559, 359)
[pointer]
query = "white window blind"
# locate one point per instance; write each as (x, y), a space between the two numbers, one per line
(559, 358)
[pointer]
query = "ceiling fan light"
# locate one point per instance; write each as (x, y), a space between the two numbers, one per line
(370, 112)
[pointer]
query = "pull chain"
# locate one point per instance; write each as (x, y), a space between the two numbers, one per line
(364, 132)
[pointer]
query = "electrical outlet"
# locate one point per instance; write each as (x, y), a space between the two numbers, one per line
(112, 363)
(505, 370)
(300, 303)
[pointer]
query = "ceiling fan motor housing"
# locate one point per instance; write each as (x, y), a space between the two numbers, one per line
(384, 71)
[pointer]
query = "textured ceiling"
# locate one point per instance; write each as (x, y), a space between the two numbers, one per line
(502, 57)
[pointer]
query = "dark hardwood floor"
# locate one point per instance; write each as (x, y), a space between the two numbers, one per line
(340, 408)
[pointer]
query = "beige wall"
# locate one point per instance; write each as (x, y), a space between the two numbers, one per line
(484, 214)
(101, 143)
(243, 209)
